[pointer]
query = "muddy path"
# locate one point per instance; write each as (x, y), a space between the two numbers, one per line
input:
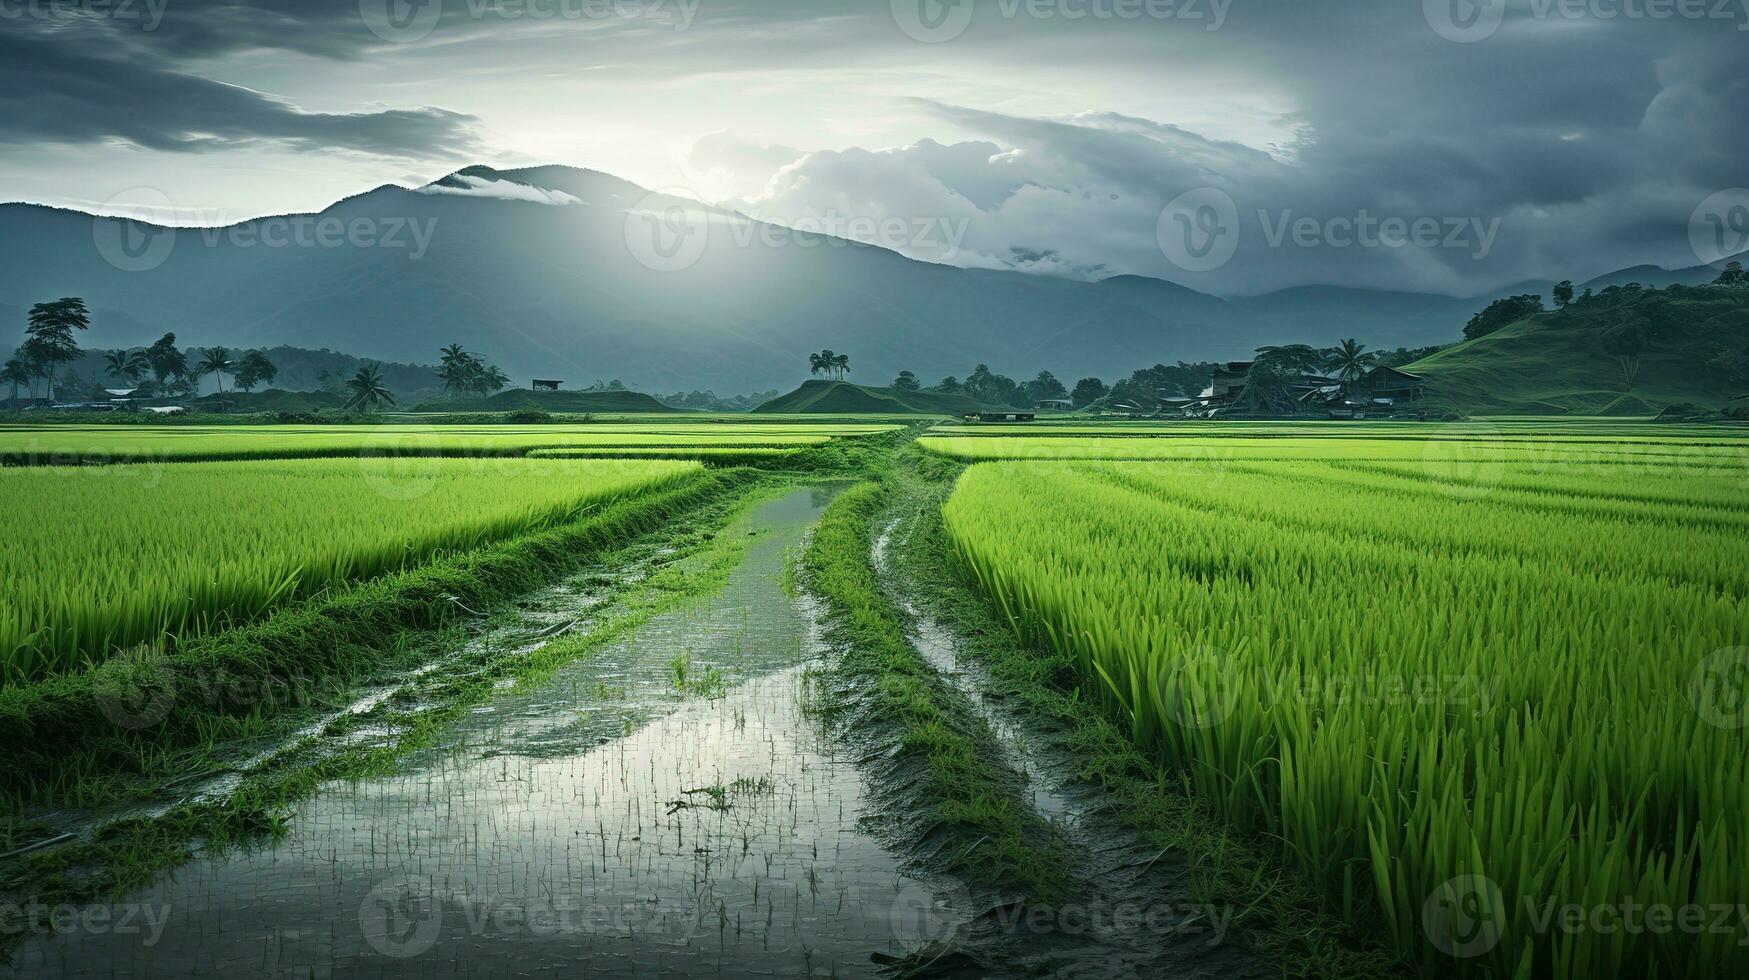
(1130, 911)
(667, 804)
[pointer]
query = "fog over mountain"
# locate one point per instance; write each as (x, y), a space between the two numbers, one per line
(568, 273)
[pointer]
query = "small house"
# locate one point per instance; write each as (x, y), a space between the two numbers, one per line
(545, 384)
(1398, 387)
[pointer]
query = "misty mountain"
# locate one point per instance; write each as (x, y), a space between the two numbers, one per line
(573, 274)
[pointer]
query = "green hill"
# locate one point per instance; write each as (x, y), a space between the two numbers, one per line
(520, 400)
(1621, 352)
(844, 398)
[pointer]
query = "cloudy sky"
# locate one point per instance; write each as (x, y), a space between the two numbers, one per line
(1232, 145)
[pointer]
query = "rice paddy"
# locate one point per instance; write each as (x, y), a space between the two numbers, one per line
(100, 558)
(72, 444)
(1457, 698)
(1506, 686)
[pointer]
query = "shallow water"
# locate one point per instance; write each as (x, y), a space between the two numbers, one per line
(606, 822)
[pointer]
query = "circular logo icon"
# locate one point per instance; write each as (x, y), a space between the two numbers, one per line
(402, 916)
(136, 690)
(921, 915)
(1718, 230)
(1468, 467)
(667, 232)
(1198, 231)
(1464, 21)
(1195, 691)
(401, 21)
(402, 465)
(1719, 688)
(932, 21)
(1462, 917)
(130, 244)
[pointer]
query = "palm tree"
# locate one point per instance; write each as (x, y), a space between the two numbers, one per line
(820, 363)
(841, 365)
(15, 373)
(1349, 360)
(125, 365)
(367, 389)
(1268, 388)
(215, 361)
(1293, 358)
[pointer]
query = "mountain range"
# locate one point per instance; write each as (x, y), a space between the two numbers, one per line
(572, 274)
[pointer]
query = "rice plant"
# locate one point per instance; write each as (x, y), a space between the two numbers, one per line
(1500, 693)
(100, 558)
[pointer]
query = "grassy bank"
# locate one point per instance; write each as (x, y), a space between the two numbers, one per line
(75, 737)
(686, 558)
(1279, 915)
(957, 811)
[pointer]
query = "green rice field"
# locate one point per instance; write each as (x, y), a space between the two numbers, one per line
(106, 557)
(1501, 674)
(68, 444)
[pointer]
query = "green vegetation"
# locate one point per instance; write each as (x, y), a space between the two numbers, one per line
(101, 559)
(1624, 351)
(82, 444)
(522, 400)
(79, 738)
(1411, 672)
(74, 755)
(1281, 916)
(844, 398)
(942, 779)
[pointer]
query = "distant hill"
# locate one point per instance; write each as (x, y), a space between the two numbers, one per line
(1622, 352)
(552, 272)
(552, 401)
(844, 398)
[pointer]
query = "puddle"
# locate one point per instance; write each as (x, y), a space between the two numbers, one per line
(1132, 915)
(666, 805)
(937, 646)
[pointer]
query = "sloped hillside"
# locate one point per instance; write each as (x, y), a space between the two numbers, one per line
(844, 398)
(1621, 352)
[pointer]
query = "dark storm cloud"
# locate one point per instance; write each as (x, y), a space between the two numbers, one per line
(130, 76)
(1571, 139)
